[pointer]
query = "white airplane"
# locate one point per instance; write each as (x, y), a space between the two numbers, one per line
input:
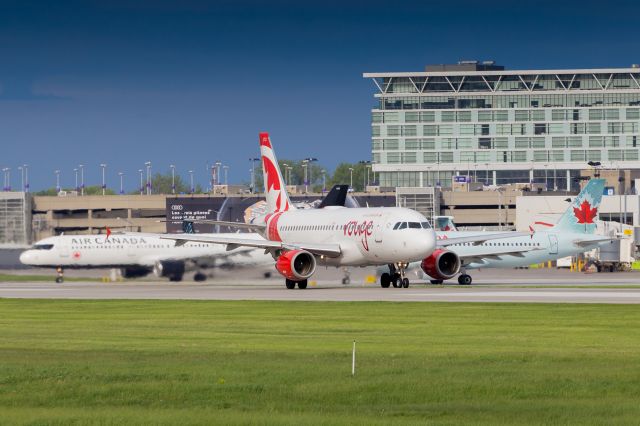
(299, 240)
(138, 254)
(573, 234)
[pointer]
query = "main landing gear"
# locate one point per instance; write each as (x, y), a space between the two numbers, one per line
(292, 284)
(395, 277)
(464, 279)
(60, 277)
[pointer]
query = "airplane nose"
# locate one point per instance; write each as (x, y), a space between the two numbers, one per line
(26, 257)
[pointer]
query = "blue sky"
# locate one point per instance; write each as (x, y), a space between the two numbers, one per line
(193, 82)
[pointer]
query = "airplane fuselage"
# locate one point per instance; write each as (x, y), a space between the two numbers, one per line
(542, 246)
(365, 236)
(98, 251)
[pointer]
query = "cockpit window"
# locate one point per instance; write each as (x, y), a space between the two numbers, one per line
(43, 247)
(403, 225)
(396, 225)
(415, 225)
(426, 225)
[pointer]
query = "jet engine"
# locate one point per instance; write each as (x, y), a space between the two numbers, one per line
(134, 271)
(173, 269)
(296, 265)
(441, 265)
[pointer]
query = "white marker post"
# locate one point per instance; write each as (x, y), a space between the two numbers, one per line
(353, 360)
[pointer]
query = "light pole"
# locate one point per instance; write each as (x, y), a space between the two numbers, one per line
(351, 177)
(487, 171)
(7, 179)
(191, 181)
(57, 173)
(286, 168)
(310, 161)
(324, 180)
(148, 165)
(81, 167)
(21, 177)
(104, 183)
(365, 178)
(26, 177)
(226, 175)
(75, 171)
(305, 164)
(289, 171)
(218, 164)
(121, 182)
(173, 178)
(253, 174)
(141, 182)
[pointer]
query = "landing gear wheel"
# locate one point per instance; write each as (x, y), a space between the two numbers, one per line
(464, 279)
(396, 280)
(302, 284)
(199, 277)
(405, 282)
(385, 280)
(59, 280)
(437, 281)
(346, 281)
(175, 278)
(290, 284)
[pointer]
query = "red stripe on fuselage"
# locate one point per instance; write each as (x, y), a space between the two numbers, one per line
(272, 227)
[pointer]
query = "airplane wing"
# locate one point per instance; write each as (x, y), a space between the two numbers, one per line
(477, 240)
(496, 254)
(252, 226)
(329, 250)
(593, 241)
(203, 260)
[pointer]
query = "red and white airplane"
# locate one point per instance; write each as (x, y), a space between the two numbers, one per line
(299, 239)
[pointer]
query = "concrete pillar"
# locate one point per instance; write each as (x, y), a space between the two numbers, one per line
(495, 178)
(568, 180)
(421, 179)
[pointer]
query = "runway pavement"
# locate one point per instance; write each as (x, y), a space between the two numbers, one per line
(547, 286)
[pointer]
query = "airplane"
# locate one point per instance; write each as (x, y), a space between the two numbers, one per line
(137, 255)
(299, 240)
(572, 234)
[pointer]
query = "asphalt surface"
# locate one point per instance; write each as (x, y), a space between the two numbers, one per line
(533, 286)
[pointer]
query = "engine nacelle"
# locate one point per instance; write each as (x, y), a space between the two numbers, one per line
(169, 268)
(441, 265)
(296, 265)
(134, 271)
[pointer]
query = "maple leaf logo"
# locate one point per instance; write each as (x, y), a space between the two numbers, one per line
(273, 182)
(585, 214)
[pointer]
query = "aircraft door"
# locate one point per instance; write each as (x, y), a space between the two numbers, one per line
(378, 235)
(553, 244)
(64, 250)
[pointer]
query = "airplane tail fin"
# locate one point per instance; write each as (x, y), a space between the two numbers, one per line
(274, 187)
(581, 215)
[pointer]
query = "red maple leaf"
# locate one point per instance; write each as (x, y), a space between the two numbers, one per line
(273, 181)
(585, 214)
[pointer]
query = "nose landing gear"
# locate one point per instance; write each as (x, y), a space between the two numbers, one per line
(395, 277)
(60, 277)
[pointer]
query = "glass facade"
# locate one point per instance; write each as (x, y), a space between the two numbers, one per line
(503, 127)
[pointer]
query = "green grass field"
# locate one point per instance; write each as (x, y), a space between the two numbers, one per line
(210, 362)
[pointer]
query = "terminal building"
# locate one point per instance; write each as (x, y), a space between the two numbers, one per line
(485, 124)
